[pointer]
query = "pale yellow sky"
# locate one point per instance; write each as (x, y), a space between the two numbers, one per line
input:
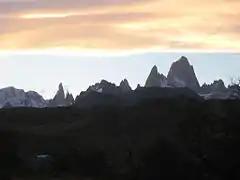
(120, 25)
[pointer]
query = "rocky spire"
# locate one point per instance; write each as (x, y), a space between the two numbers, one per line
(182, 74)
(60, 99)
(155, 79)
(124, 86)
(60, 93)
(138, 87)
(69, 99)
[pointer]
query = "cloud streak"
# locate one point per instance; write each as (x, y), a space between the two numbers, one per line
(114, 25)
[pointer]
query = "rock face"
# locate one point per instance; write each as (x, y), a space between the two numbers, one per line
(138, 87)
(93, 99)
(60, 99)
(124, 86)
(216, 86)
(103, 93)
(11, 97)
(182, 74)
(216, 90)
(105, 87)
(219, 86)
(234, 91)
(155, 79)
(69, 99)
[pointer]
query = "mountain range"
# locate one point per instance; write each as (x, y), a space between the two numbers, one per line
(181, 80)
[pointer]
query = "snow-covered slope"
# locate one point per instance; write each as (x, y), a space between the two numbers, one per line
(12, 97)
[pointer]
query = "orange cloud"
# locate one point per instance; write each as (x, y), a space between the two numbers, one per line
(123, 25)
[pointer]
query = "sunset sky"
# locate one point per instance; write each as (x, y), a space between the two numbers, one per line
(119, 24)
(66, 36)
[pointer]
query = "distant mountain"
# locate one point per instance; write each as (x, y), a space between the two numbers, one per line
(180, 81)
(106, 93)
(155, 79)
(105, 87)
(11, 97)
(216, 86)
(60, 99)
(234, 91)
(69, 100)
(102, 93)
(124, 86)
(218, 90)
(94, 98)
(182, 74)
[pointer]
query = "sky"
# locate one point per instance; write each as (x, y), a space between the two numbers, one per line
(79, 42)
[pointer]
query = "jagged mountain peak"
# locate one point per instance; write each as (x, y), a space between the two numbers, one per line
(219, 84)
(124, 81)
(69, 99)
(103, 81)
(181, 74)
(216, 86)
(103, 84)
(61, 99)
(61, 90)
(104, 87)
(183, 59)
(124, 85)
(182, 62)
(155, 79)
(60, 86)
(154, 70)
(13, 97)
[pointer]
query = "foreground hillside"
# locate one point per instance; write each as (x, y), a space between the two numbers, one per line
(155, 139)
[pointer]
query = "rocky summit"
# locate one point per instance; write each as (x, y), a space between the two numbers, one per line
(155, 79)
(182, 74)
(124, 86)
(60, 99)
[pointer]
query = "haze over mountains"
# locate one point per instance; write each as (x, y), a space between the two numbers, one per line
(180, 80)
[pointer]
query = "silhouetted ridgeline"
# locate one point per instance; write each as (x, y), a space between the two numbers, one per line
(153, 139)
(91, 99)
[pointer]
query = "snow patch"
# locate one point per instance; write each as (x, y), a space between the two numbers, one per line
(178, 82)
(99, 90)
